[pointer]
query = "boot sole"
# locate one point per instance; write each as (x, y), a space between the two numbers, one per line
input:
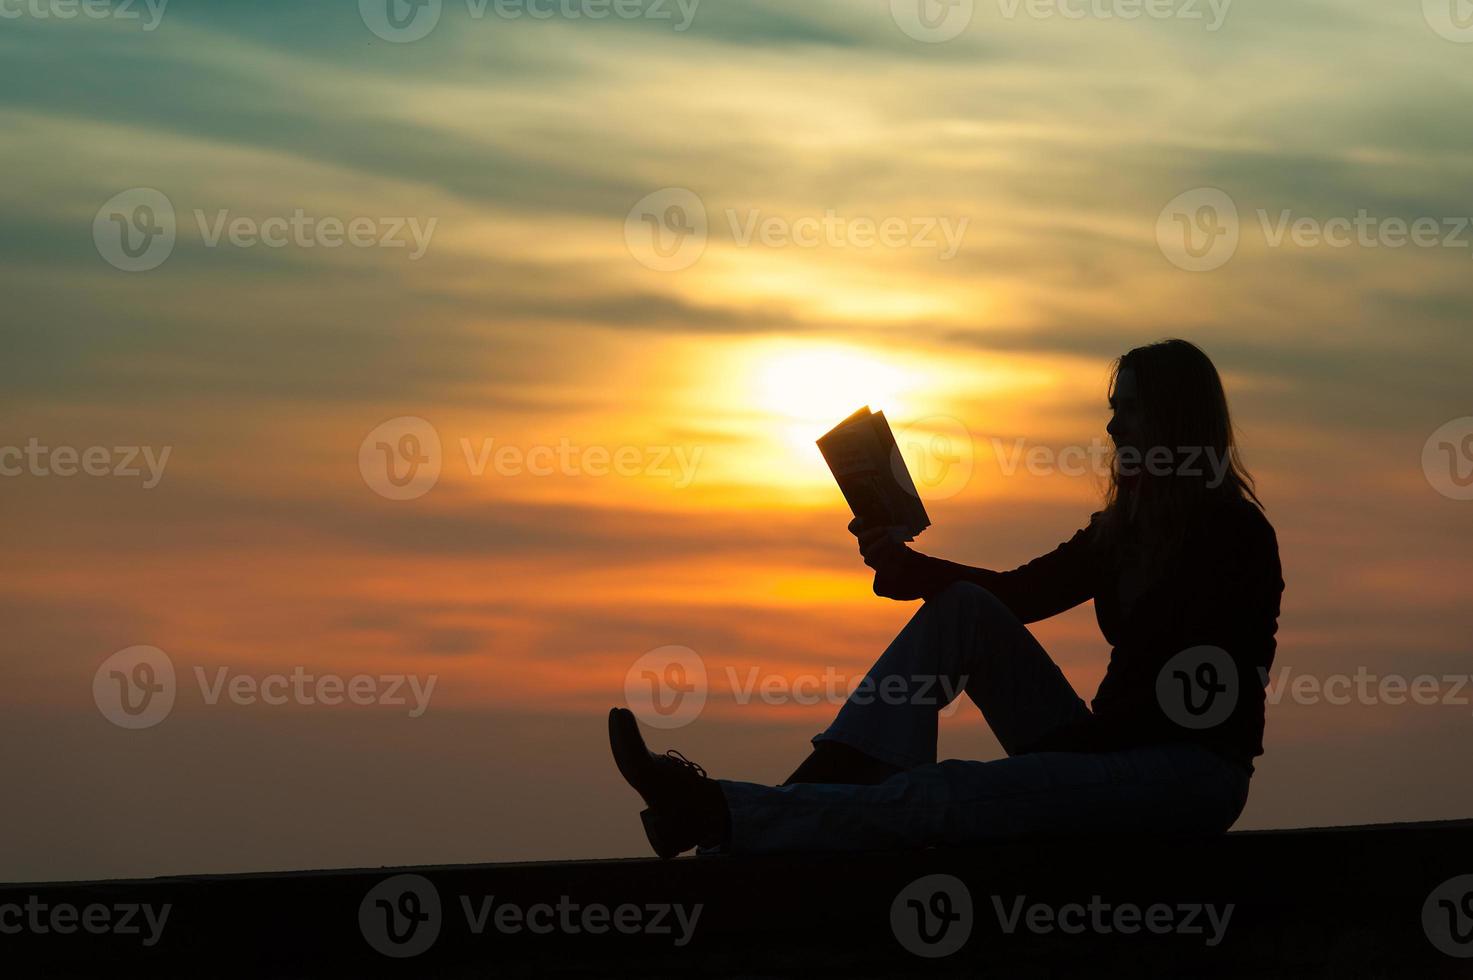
(628, 749)
(658, 836)
(629, 752)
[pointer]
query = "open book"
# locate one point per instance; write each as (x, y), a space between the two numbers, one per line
(865, 460)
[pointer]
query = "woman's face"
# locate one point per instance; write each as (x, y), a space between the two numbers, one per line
(1125, 405)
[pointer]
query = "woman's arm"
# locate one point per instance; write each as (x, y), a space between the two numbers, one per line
(1044, 587)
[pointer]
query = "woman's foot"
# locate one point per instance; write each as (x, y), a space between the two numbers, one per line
(686, 808)
(835, 762)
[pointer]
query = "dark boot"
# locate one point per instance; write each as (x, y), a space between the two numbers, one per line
(835, 762)
(686, 808)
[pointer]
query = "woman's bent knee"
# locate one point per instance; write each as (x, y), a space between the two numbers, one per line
(962, 591)
(968, 597)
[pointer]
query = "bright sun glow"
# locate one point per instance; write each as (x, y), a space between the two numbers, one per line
(770, 399)
(821, 385)
(809, 388)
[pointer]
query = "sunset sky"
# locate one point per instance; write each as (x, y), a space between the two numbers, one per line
(531, 320)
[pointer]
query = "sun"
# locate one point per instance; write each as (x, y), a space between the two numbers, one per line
(809, 388)
(818, 386)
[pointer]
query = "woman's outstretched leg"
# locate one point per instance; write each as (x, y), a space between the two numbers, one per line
(1179, 788)
(1176, 788)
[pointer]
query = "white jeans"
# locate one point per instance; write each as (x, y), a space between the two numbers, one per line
(965, 639)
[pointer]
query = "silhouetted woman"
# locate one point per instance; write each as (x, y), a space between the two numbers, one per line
(1183, 569)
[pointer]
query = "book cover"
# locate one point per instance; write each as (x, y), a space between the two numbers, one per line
(865, 459)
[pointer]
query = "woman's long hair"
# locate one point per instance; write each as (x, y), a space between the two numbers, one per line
(1184, 411)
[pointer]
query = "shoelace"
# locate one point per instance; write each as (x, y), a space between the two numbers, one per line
(675, 756)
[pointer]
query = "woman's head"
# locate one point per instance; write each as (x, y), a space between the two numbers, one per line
(1174, 445)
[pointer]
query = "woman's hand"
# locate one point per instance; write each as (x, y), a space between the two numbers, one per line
(884, 550)
(877, 545)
